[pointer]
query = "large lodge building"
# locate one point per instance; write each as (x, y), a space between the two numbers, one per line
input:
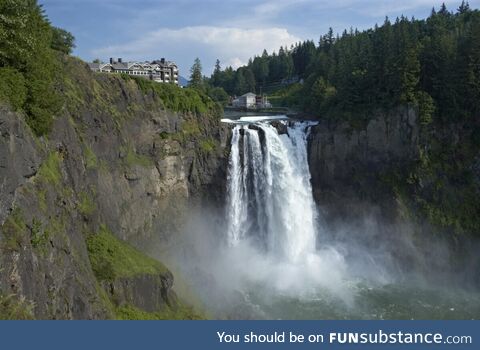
(160, 71)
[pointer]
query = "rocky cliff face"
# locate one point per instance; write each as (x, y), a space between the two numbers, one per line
(394, 187)
(116, 158)
(352, 165)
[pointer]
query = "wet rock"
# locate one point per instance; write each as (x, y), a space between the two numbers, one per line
(347, 164)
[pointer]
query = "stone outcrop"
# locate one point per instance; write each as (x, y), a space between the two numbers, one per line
(150, 293)
(350, 165)
(116, 157)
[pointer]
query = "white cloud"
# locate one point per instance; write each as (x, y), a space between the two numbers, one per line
(235, 62)
(274, 7)
(233, 46)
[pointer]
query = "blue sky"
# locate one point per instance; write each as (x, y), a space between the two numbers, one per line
(232, 31)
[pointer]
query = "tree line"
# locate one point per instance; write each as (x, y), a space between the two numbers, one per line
(433, 63)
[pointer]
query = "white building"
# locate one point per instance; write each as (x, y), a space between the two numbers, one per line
(160, 71)
(249, 100)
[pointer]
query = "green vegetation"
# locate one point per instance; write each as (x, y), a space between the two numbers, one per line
(112, 258)
(130, 312)
(42, 199)
(29, 62)
(91, 161)
(177, 99)
(105, 300)
(189, 130)
(38, 79)
(14, 308)
(12, 87)
(50, 169)
(38, 236)
(432, 64)
(62, 41)
(196, 79)
(14, 230)
(190, 127)
(218, 95)
(86, 205)
(131, 157)
(208, 145)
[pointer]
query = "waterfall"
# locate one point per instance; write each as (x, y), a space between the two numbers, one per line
(269, 193)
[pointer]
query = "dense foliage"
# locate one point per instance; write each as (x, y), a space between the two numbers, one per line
(28, 61)
(434, 63)
(191, 99)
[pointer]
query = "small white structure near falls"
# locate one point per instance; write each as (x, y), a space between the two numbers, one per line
(249, 101)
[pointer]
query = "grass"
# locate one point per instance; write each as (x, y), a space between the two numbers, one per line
(50, 169)
(91, 161)
(42, 199)
(190, 129)
(14, 308)
(105, 300)
(208, 145)
(133, 158)
(38, 236)
(112, 258)
(86, 205)
(182, 312)
(14, 230)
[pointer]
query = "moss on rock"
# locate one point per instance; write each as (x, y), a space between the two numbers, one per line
(50, 169)
(182, 312)
(112, 258)
(14, 308)
(14, 230)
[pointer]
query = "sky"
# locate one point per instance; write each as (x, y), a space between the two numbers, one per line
(232, 31)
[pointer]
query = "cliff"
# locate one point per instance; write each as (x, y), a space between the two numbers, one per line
(350, 163)
(122, 162)
(403, 187)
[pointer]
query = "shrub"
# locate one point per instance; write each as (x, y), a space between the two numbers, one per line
(14, 308)
(12, 87)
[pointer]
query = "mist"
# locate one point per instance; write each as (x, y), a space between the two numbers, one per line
(272, 253)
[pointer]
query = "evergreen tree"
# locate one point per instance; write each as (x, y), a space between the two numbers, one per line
(464, 7)
(285, 64)
(263, 71)
(432, 64)
(217, 72)
(239, 85)
(249, 80)
(443, 10)
(196, 80)
(62, 40)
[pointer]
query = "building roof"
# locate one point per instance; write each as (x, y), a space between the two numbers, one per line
(249, 94)
(120, 65)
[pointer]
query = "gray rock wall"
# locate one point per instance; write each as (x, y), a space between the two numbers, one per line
(117, 158)
(349, 165)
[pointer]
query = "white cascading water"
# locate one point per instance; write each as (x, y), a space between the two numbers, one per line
(269, 193)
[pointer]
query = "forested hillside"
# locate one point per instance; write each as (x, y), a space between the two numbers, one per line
(434, 63)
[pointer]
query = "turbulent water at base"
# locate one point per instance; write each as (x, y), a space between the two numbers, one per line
(270, 197)
(279, 259)
(277, 262)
